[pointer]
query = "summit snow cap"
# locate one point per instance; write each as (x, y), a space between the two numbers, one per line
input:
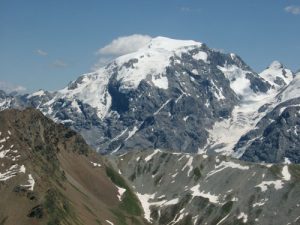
(277, 75)
(276, 65)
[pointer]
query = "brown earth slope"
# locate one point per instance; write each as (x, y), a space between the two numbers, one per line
(49, 175)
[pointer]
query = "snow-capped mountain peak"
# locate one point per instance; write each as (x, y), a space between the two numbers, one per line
(276, 65)
(277, 75)
(149, 63)
(166, 90)
(171, 44)
(152, 61)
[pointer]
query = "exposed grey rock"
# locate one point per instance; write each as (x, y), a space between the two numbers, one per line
(275, 137)
(149, 117)
(179, 117)
(197, 189)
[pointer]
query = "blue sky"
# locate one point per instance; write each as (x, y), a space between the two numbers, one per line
(46, 44)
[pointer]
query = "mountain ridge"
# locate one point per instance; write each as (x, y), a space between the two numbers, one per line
(171, 94)
(49, 175)
(180, 188)
(52, 176)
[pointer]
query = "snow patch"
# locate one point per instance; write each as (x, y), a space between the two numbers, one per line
(196, 192)
(218, 92)
(243, 216)
(260, 203)
(75, 105)
(161, 107)
(287, 161)
(171, 202)
(189, 165)
(121, 191)
(120, 135)
(185, 118)
(111, 223)
(224, 165)
(238, 81)
(144, 199)
(96, 164)
(147, 201)
(222, 220)
(132, 132)
(31, 182)
(11, 172)
(160, 81)
(201, 56)
(285, 173)
(3, 153)
(149, 157)
(278, 184)
(22, 169)
(174, 175)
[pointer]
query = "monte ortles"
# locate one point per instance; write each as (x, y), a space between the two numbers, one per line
(174, 133)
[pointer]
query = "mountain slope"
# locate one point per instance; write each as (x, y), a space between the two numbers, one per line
(177, 188)
(168, 94)
(275, 137)
(179, 96)
(263, 128)
(49, 175)
(277, 75)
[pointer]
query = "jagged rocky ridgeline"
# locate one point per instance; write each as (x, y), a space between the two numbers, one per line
(49, 175)
(179, 96)
(186, 189)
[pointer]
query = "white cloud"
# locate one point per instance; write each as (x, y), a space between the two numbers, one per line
(219, 50)
(189, 9)
(9, 87)
(120, 46)
(124, 45)
(102, 61)
(41, 52)
(293, 9)
(185, 9)
(59, 64)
